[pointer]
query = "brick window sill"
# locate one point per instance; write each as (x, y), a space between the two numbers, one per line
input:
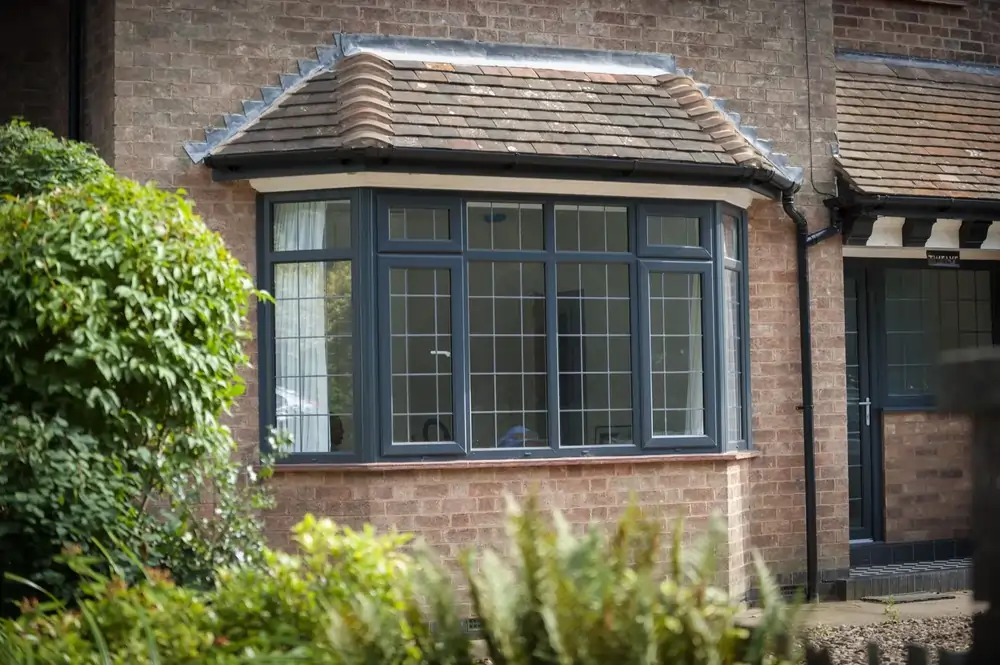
(379, 467)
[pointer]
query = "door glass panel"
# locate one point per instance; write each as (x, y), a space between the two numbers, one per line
(854, 445)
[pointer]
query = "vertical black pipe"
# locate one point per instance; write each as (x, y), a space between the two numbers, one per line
(803, 241)
(74, 126)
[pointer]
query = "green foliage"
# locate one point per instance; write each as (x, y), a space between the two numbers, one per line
(33, 160)
(313, 608)
(120, 346)
(357, 598)
(593, 600)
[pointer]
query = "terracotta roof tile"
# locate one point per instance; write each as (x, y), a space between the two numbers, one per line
(915, 131)
(369, 101)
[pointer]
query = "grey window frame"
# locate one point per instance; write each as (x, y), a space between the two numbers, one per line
(742, 264)
(706, 221)
(459, 358)
(711, 384)
(372, 252)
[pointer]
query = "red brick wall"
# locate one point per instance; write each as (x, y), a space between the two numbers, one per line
(180, 64)
(34, 63)
(970, 32)
(927, 476)
(462, 506)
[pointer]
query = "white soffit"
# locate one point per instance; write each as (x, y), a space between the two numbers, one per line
(737, 196)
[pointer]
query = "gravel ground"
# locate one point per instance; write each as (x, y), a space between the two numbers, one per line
(848, 644)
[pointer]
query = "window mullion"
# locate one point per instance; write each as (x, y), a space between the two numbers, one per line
(552, 328)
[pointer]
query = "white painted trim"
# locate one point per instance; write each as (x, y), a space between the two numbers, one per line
(886, 232)
(992, 240)
(944, 234)
(737, 196)
(868, 252)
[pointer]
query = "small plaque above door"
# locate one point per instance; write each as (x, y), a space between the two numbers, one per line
(943, 259)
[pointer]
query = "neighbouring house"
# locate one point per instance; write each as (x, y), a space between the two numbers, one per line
(704, 253)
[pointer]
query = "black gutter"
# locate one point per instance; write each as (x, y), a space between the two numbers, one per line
(74, 126)
(803, 241)
(474, 162)
(852, 203)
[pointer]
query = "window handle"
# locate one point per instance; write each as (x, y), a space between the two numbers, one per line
(446, 354)
(867, 405)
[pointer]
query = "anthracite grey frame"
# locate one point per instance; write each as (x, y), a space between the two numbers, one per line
(372, 254)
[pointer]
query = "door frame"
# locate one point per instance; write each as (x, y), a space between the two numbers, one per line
(871, 349)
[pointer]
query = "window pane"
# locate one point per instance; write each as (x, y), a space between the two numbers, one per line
(516, 226)
(507, 355)
(419, 224)
(314, 362)
(421, 348)
(730, 237)
(591, 228)
(734, 373)
(677, 231)
(929, 311)
(312, 225)
(677, 363)
(595, 387)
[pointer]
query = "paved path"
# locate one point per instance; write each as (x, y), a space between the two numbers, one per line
(857, 612)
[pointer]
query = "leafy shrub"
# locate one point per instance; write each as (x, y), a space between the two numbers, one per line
(120, 344)
(594, 600)
(359, 599)
(33, 160)
(296, 607)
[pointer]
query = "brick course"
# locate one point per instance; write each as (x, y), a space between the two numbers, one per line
(928, 484)
(970, 32)
(461, 506)
(180, 64)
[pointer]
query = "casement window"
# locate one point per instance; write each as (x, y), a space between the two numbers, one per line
(416, 327)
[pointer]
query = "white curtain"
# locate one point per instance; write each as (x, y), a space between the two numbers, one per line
(696, 366)
(300, 327)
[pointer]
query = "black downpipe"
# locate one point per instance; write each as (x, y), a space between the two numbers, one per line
(76, 36)
(803, 241)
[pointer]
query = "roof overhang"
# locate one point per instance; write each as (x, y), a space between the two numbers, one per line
(851, 204)
(763, 181)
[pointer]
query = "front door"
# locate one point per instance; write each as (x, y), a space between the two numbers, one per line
(864, 492)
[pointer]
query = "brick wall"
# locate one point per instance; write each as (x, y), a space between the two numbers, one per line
(34, 62)
(455, 508)
(99, 77)
(970, 32)
(180, 64)
(927, 479)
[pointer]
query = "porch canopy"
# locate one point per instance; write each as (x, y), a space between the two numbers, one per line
(918, 159)
(414, 105)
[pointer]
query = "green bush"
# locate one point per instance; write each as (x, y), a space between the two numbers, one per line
(358, 599)
(120, 345)
(286, 609)
(33, 161)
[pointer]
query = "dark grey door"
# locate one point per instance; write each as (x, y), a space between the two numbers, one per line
(864, 490)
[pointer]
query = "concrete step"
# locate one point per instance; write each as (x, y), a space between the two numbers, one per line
(905, 578)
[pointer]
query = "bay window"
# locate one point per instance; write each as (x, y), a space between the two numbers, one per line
(414, 326)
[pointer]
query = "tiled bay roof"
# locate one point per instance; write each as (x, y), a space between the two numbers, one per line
(370, 101)
(379, 95)
(905, 129)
